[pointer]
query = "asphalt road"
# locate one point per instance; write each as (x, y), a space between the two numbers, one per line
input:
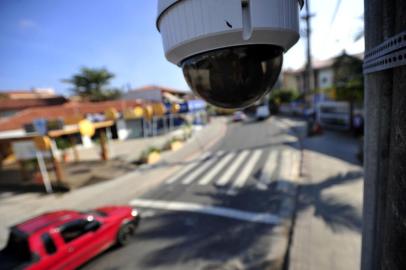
(220, 211)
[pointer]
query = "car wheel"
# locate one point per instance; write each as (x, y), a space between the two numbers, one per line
(125, 234)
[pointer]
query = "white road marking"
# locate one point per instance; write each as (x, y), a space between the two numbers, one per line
(148, 214)
(187, 168)
(216, 169)
(189, 178)
(243, 176)
(268, 170)
(209, 210)
(226, 177)
(285, 173)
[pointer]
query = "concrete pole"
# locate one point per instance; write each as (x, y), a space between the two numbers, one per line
(309, 67)
(104, 153)
(384, 226)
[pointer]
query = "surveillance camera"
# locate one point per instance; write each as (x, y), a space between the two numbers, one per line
(231, 51)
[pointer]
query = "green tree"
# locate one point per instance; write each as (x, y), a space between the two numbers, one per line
(284, 95)
(349, 81)
(93, 84)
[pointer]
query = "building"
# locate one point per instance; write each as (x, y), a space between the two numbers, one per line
(66, 112)
(325, 72)
(12, 102)
(154, 93)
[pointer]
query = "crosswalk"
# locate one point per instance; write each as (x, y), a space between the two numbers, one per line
(237, 169)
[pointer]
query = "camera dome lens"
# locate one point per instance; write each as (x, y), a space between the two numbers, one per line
(234, 77)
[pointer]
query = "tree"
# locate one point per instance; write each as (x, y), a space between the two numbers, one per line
(349, 81)
(92, 84)
(284, 95)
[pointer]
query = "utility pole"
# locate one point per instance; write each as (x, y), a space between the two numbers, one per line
(309, 69)
(384, 225)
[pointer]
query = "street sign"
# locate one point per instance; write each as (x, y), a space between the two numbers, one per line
(26, 150)
(40, 126)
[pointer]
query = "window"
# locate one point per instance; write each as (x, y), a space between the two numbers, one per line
(49, 243)
(73, 230)
(17, 246)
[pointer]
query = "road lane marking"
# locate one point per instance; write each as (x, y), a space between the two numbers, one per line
(192, 176)
(243, 176)
(226, 177)
(268, 170)
(216, 169)
(285, 173)
(186, 169)
(255, 217)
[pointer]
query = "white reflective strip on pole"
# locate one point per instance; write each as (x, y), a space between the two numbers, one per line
(44, 172)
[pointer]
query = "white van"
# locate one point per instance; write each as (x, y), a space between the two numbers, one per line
(334, 114)
(262, 112)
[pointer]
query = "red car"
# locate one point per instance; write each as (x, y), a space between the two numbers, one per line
(67, 239)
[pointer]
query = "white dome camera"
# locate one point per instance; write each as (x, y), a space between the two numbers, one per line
(231, 51)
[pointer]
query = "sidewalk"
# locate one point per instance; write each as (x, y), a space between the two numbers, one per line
(16, 208)
(327, 232)
(123, 157)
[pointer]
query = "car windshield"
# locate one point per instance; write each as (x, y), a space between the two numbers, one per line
(18, 246)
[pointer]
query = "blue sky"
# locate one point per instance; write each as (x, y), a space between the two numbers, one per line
(45, 41)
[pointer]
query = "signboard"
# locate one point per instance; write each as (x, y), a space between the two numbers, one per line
(26, 150)
(175, 108)
(40, 126)
(139, 111)
(158, 109)
(148, 111)
(196, 105)
(86, 128)
(134, 113)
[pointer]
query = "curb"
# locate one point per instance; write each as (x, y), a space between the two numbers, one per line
(192, 155)
(293, 198)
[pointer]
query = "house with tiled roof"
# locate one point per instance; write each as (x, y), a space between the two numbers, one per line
(64, 111)
(153, 93)
(323, 73)
(14, 101)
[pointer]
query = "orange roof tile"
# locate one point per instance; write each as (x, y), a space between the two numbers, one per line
(62, 111)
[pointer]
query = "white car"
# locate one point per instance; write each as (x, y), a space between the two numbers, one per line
(262, 112)
(239, 116)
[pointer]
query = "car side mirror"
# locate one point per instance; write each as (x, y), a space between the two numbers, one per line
(93, 226)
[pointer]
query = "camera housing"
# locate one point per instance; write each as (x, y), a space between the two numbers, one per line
(231, 51)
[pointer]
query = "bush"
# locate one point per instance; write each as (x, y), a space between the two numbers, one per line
(279, 96)
(62, 143)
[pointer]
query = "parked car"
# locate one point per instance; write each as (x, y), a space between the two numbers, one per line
(262, 112)
(238, 116)
(67, 239)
